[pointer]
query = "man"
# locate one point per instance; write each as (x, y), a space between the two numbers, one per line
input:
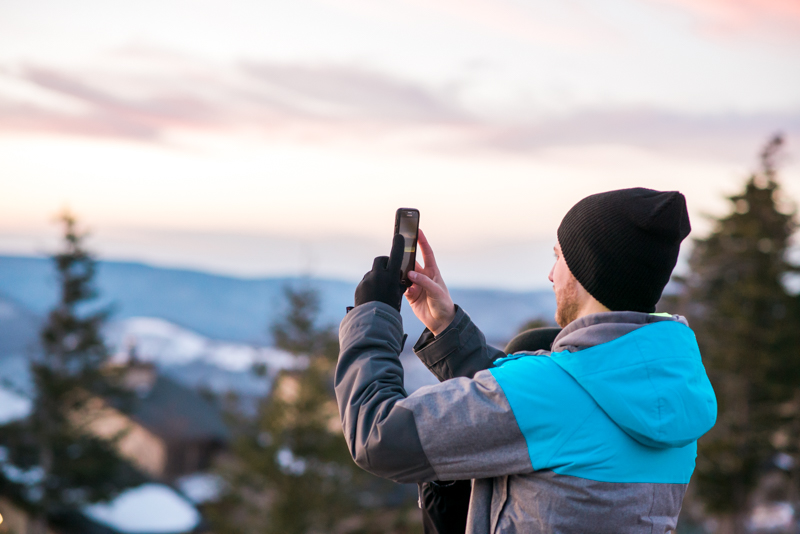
(597, 436)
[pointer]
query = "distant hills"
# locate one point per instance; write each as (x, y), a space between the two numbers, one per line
(227, 308)
(206, 331)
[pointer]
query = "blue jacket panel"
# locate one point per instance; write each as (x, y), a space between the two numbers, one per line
(629, 410)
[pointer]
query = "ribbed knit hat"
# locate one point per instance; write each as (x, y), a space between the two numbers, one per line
(623, 245)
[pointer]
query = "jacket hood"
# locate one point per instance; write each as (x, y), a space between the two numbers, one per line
(649, 378)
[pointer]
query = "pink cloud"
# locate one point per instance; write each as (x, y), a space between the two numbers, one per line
(147, 114)
(28, 118)
(735, 16)
(726, 134)
(273, 98)
(329, 103)
(340, 93)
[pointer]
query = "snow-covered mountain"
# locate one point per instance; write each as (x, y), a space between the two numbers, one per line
(167, 344)
(208, 331)
(190, 358)
(195, 360)
(218, 366)
(239, 309)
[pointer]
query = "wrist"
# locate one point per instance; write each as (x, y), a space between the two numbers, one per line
(444, 322)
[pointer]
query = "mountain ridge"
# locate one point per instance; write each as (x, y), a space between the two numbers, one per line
(240, 309)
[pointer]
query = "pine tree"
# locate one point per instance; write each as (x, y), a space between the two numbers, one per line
(290, 470)
(54, 465)
(748, 328)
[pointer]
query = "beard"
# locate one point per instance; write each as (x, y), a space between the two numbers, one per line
(567, 306)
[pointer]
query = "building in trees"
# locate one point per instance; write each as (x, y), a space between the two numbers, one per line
(51, 465)
(75, 446)
(168, 430)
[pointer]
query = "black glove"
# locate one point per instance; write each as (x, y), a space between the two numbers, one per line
(382, 283)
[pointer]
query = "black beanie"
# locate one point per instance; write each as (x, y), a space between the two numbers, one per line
(623, 245)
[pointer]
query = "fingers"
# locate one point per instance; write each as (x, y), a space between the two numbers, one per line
(431, 287)
(413, 293)
(427, 253)
(396, 255)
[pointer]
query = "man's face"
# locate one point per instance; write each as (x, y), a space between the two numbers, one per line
(566, 287)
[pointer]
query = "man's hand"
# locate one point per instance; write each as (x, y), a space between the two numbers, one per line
(428, 296)
(382, 283)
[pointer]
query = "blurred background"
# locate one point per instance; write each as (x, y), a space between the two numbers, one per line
(214, 178)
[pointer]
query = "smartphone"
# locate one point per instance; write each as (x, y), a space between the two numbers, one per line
(406, 223)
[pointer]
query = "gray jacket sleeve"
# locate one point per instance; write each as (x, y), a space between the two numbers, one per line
(460, 350)
(460, 429)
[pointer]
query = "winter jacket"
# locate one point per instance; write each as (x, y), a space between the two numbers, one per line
(598, 436)
(444, 504)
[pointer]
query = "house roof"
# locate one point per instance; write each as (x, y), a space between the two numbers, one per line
(177, 413)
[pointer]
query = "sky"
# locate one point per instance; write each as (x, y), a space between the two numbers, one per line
(263, 138)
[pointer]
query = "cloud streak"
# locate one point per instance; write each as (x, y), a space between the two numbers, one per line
(718, 134)
(331, 102)
(257, 95)
(351, 94)
(103, 113)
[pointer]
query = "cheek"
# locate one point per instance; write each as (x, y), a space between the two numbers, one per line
(560, 272)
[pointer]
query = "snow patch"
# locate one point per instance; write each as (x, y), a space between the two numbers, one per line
(201, 487)
(164, 343)
(772, 516)
(15, 375)
(149, 508)
(13, 407)
(26, 477)
(289, 463)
